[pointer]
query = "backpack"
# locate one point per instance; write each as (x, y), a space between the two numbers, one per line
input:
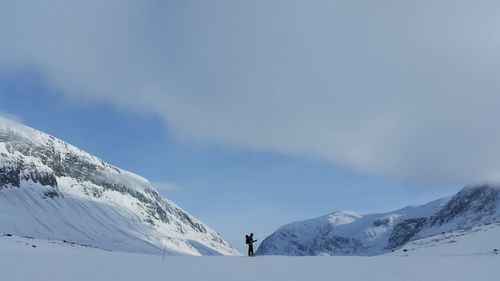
(248, 239)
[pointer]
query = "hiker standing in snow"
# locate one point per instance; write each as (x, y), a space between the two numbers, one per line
(250, 241)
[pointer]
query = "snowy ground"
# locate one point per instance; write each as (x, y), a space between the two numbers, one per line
(58, 261)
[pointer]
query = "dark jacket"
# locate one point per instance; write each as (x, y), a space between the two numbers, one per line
(249, 239)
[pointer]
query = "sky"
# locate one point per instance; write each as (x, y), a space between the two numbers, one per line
(253, 114)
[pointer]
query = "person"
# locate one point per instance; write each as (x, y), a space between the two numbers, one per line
(250, 241)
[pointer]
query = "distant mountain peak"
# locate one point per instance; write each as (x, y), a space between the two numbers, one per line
(343, 217)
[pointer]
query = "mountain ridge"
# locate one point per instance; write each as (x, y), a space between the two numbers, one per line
(51, 189)
(379, 233)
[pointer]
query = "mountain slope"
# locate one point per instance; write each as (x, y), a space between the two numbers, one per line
(479, 240)
(52, 190)
(349, 233)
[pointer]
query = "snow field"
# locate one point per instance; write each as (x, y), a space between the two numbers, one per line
(57, 261)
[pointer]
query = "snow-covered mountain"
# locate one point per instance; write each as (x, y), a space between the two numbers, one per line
(52, 190)
(350, 233)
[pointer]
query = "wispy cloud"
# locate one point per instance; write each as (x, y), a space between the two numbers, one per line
(11, 117)
(393, 88)
(166, 186)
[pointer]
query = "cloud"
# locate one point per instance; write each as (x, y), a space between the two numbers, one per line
(11, 117)
(166, 186)
(406, 90)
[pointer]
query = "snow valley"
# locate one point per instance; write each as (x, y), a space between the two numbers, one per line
(56, 261)
(68, 215)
